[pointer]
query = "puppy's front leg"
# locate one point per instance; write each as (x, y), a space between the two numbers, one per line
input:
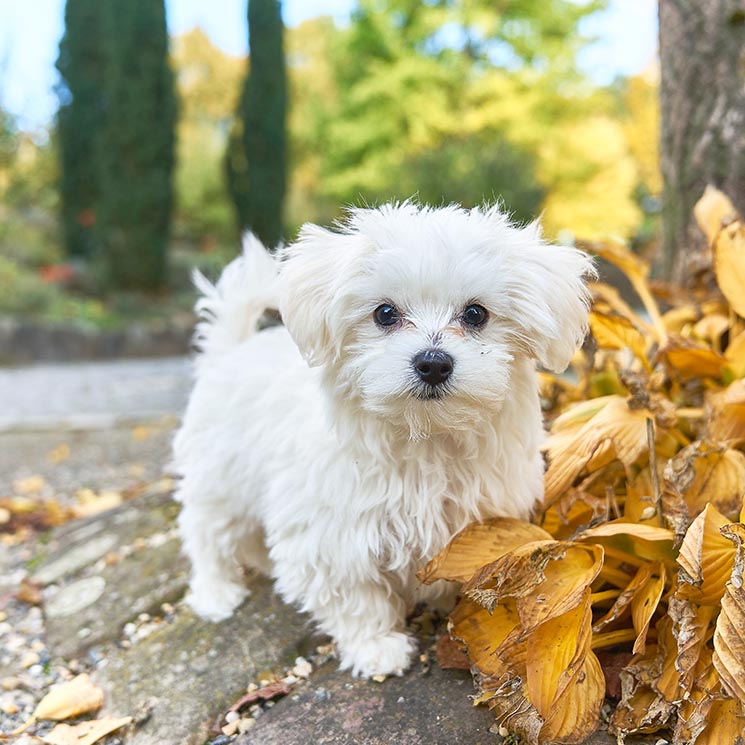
(359, 609)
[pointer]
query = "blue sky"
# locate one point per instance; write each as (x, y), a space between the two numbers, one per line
(30, 31)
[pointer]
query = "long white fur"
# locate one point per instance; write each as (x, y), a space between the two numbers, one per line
(304, 451)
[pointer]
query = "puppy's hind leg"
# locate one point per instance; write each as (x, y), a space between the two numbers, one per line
(211, 539)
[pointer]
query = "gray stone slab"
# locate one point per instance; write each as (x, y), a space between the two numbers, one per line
(61, 395)
(92, 599)
(190, 671)
(416, 709)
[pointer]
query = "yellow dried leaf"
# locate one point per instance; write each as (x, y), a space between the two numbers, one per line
(548, 578)
(725, 414)
(623, 601)
(579, 413)
(644, 604)
(60, 453)
(705, 558)
(618, 254)
(71, 699)
(483, 633)
(639, 506)
(479, 544)
(711, 327)
(688, 359)
(729, 264)
(692, 631)
(642, 707)
(90, 503)
(729, 641)
(646, 542)
(614, 430)
(713, 210)
(725, 723)
(617, 332)
(85, 733)
(729, 636)
(29, 485)
(563, 587)
(694, 708)
(564, 680)
(677, 319)
(611, 297)
(735, 355)
(706, 472)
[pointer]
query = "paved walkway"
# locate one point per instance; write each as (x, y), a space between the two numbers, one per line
(92, 395)
(104, 426)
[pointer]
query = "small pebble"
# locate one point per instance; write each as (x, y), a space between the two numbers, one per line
(269, 704)
(503, 731)
(37, 645)
(379, 678)
(245, 724)
(302, 668)
(29, 659)
(9, 707)
(230, 729)
(10, 683)
(252, 687)
(400, 700)
(290, 680)
(36, 670)
(326, 649)
(232, 716)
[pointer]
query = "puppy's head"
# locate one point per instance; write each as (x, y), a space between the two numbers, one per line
(420, 313)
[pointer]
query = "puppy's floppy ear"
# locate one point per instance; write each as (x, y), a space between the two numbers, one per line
(314, 277)
(551, 299)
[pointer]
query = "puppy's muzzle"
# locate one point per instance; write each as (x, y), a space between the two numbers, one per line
(433, 366)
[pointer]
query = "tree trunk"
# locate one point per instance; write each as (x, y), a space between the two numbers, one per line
(702, 89)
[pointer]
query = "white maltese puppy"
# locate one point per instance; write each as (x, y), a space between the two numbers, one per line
(398, 403)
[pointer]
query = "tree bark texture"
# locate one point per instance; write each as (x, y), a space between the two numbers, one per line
(702, 90)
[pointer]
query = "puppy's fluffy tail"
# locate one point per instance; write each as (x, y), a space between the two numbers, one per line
(230, 310)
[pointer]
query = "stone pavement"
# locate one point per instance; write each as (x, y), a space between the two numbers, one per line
(99, 426)
(93, 395)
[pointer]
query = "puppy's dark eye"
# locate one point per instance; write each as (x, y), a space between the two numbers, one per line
(475, 315)
(386, 315)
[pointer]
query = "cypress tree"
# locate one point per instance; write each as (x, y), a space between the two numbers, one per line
(256, 158)
(137, 146)
(81, 64)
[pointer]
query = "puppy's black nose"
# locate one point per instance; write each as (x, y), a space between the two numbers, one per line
(433, 366)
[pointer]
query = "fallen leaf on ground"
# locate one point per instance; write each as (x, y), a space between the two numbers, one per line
(450, 655)
(59, 454)
(71, 699)
(84, 733)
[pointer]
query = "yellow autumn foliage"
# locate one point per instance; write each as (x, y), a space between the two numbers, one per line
(638, 552)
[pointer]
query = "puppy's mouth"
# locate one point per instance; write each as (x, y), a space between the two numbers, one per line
(424, 392)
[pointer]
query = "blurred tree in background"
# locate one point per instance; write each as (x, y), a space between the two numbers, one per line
(208, 84)
(459, 102)
(702, 60)
(81, 63)
(136, 146)
(256, 156)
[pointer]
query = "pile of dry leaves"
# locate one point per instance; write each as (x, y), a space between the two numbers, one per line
(636, 561)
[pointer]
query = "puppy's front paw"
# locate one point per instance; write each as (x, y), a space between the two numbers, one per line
(215, 602)
(383, 655)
